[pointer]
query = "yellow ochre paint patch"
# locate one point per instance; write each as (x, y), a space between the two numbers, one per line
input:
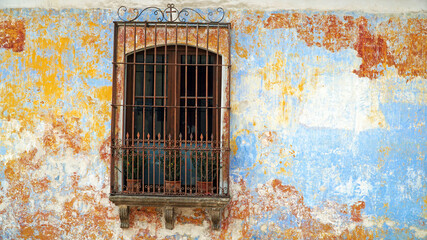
(51, 92)
(104, 93)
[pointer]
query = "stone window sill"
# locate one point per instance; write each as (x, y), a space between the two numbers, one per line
(214, 204)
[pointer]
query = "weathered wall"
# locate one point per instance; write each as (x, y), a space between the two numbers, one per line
(328, 128)
(389, 6)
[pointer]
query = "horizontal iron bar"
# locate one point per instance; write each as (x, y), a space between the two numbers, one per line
(171, 25)
(160, 106)
(194, 200)
(174, 64)
(190, 146)
(182, 97)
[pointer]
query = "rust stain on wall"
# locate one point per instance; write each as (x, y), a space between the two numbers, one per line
(356, 211)
(373, 51)
(104, 150)
(407, 41)
(197, 217)
(150, 215)
(40, 185)
(319, 30)
(240, 208)
(16, 168)
(299, 208)
(12, 35)
(65, 132)
(310, 227)
(377, 49)
(275, 197)
(357, 233)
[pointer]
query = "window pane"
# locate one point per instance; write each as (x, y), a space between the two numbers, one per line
(160, 81)
(149, 117)
(154, 117)
(140, 57)
(204, 117)
(139, 77)
(187, 118)
(150, 77)
(159, 117)
(150, 58)
(149, 80)
(138, 120)
(188, 81)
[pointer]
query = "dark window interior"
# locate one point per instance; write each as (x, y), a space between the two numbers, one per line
(173, 91)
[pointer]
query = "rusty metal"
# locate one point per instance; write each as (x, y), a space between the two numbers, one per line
(167, 99)
(113, 115)
(167, 15)
(138, 155)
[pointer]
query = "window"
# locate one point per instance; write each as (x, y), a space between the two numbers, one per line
(172, 118)
(171, 112)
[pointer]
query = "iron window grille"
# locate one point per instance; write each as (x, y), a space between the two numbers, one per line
(170, 104)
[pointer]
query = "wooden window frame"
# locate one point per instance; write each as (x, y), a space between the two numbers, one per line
(173, 84)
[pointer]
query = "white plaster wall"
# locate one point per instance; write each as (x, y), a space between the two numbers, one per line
(386, 6)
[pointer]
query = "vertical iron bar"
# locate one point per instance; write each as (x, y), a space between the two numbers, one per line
(124, 101)
(165, 99)
(133, 83)
(186, 111)
(175, 98)
(207, 78)
(113, 114)
(154, 106)
(133, 103)
(143, 115)
(207, 100)
(197, 93)
(126, 173)
(217, 108)
(228, 111)
(124, 81)
(137, 159)
(159, 151)
(133, 164)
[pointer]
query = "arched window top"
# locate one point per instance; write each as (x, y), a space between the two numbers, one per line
(171, 48)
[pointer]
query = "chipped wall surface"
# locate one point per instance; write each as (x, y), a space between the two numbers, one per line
(388, 6)
(328, 130)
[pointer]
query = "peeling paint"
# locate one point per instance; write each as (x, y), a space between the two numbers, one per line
(12, 35)
(335, 34)
(328, 113)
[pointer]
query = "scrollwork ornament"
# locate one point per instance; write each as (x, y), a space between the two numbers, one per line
(211, 16)
(171, 14)
(220, 12)
(123, 14)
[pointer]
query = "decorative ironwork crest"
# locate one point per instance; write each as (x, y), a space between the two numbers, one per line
(171, 14)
